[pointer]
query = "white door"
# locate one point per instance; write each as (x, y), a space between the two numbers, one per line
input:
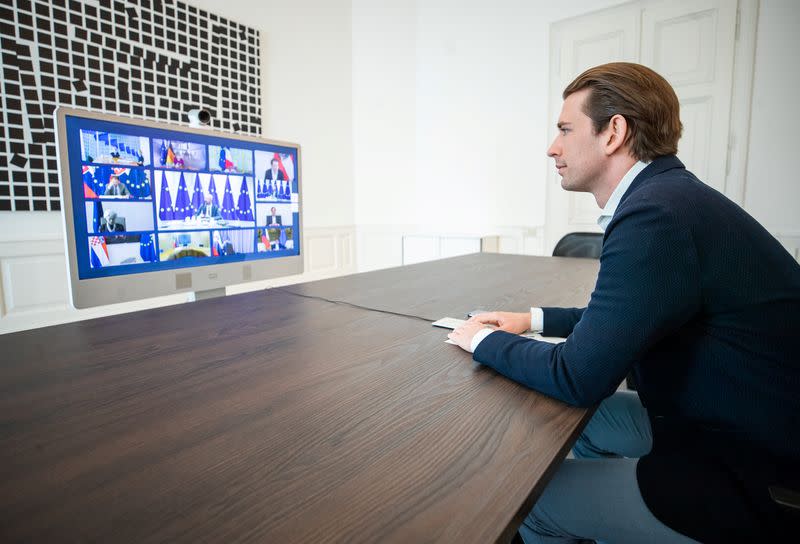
(689, 42)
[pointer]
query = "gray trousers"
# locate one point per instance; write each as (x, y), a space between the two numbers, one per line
(596, 496)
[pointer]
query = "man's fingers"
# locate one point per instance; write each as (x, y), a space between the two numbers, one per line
(490, 318)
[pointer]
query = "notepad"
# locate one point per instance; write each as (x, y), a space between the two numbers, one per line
(449, 323)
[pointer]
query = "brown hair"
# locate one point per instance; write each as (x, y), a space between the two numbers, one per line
(645, 99)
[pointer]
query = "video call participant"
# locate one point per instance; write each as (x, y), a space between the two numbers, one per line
(208, 209)
(116, 188)
(109, 222)
(695, 298)
(273, 218)
(274, 173)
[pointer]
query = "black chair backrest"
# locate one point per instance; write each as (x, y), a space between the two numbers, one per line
(580, 244)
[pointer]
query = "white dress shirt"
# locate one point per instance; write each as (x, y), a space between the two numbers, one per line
(606, 214)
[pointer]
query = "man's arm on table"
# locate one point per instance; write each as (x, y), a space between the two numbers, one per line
(646, 289)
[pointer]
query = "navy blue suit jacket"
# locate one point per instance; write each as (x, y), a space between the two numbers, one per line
(702, 304)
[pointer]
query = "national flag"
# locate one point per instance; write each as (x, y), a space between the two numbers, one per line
(88, 180)
(182, 204)
(147, 249)
(271, 190)
(165, 212)
(98, 252)
(288, 166)
(170, 156)
(198, 199)
(288, 193)
(216, 248)
(212, 190)
(281, 166)
(88, 192)
(163, 153)
(244, 209)
(225, 160)
(228, 211)
(265, 241)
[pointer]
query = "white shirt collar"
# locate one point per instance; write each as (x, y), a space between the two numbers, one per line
(611, 206)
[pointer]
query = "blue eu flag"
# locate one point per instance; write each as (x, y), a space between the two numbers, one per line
(147, 249)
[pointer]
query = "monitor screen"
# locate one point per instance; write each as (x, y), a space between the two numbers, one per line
(142, 197)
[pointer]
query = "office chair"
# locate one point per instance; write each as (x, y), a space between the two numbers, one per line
(580, 244)
(587, 245)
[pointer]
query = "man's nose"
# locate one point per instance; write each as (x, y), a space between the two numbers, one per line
(554, 149)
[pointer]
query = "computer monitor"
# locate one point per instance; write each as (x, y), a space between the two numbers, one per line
(153, 209)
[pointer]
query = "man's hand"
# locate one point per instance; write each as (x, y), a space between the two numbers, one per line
(512, 322)
(463, 334)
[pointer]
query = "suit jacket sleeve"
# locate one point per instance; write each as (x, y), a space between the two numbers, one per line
(560, 321)
(647, 288)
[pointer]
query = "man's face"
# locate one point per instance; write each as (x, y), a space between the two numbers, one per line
(274, 164)
(577, 150)
(207, 199)
(114, 181)
(273, 210)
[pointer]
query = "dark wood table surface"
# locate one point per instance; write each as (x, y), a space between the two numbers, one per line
(271, 417)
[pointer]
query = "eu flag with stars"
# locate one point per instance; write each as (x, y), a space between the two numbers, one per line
(245, 209)
(165, 210)
(228, 211)
(182, 204)
(147, 249)
(198, 199)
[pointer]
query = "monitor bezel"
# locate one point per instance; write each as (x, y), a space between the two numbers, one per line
(90, 292)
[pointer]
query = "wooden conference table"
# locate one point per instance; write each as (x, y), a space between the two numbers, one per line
(271, 417)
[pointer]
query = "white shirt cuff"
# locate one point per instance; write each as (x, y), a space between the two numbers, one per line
(478, 338)
(537, 320)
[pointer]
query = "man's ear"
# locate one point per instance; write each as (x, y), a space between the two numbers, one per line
(615, 133)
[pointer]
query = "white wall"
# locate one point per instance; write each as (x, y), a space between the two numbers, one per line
(772, 193)
(306, 58)
(453, 95)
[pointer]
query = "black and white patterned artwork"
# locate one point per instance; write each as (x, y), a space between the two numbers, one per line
(147, 59)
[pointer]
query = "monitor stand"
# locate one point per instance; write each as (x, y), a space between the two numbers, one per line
(206, 294)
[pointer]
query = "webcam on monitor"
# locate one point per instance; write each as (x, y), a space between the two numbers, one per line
(199, 117)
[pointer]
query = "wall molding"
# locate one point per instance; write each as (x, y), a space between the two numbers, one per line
(381, 246)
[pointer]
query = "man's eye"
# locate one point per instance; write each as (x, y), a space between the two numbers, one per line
(564, 130)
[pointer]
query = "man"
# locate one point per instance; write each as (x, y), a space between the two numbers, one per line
(208, 209)
(109, 222)
(115, 188)
(699, 302)
(273, 218)
(274, 173)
